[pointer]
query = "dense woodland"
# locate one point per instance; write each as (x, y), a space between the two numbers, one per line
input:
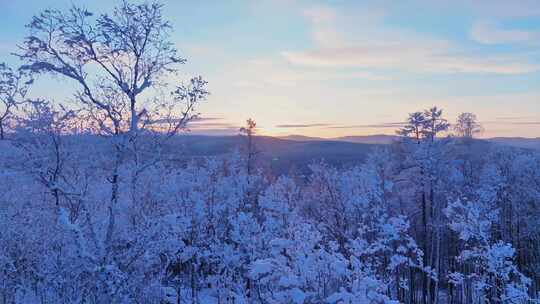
(96, 208)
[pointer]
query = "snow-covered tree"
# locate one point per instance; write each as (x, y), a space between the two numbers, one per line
(467, 125)
(14, 86)
(99, 205)
(488, 273)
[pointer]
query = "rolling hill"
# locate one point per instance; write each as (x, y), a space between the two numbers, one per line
(296, 153)
(279, 154)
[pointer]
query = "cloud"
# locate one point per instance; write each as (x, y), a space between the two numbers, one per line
(419, 59)
(204, 119)
(392, 125)
(213, 125)
(320, 14)
(416, 58)
(490, 33)
(341, 43)
(210, 125)
(196, 121)
(527, 123)
(214, 132)
(303, 125)
(514, 117)
(514, 120)
(324, 22)
(519, 123)
(262, 73)
(384, 125)
(207, 126)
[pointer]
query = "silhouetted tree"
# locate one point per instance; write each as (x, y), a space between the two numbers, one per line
(250, 149)
(114, 58)
(414, 126)
(467, 125)
(434, 123)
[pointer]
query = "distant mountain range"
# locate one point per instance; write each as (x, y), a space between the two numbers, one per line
(281, 155)
(296, 152)
(379, 139)
(519, 142)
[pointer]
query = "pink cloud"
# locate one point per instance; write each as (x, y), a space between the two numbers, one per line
(341, 43)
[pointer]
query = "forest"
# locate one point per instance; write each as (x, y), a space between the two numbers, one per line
(97, 205)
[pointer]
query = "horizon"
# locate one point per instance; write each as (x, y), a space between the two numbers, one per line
(333, 69)
(270, 151)
(289, 136)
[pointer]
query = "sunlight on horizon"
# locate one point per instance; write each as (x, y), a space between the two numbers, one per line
(330, 69)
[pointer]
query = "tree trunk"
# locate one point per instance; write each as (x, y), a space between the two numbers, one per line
(114, 199)
(2, 130)
(134, 122)
(424, 246)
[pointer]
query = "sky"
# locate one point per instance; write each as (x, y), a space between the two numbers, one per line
(339, 68)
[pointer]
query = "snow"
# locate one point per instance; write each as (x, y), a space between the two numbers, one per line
(99, 205)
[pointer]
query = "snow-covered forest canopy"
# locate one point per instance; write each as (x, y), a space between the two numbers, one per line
(96, 205)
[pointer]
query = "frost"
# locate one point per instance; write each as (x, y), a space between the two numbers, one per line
(103, 201)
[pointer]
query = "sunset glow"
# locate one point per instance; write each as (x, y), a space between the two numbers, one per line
(336, 68)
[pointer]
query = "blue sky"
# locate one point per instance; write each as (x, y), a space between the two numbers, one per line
(334, 68)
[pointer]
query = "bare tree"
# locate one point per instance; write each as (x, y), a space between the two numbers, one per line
(114, 58)
(123, 63)
(467, 125)
(13, 88)
(41, 135)
(250, 149)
